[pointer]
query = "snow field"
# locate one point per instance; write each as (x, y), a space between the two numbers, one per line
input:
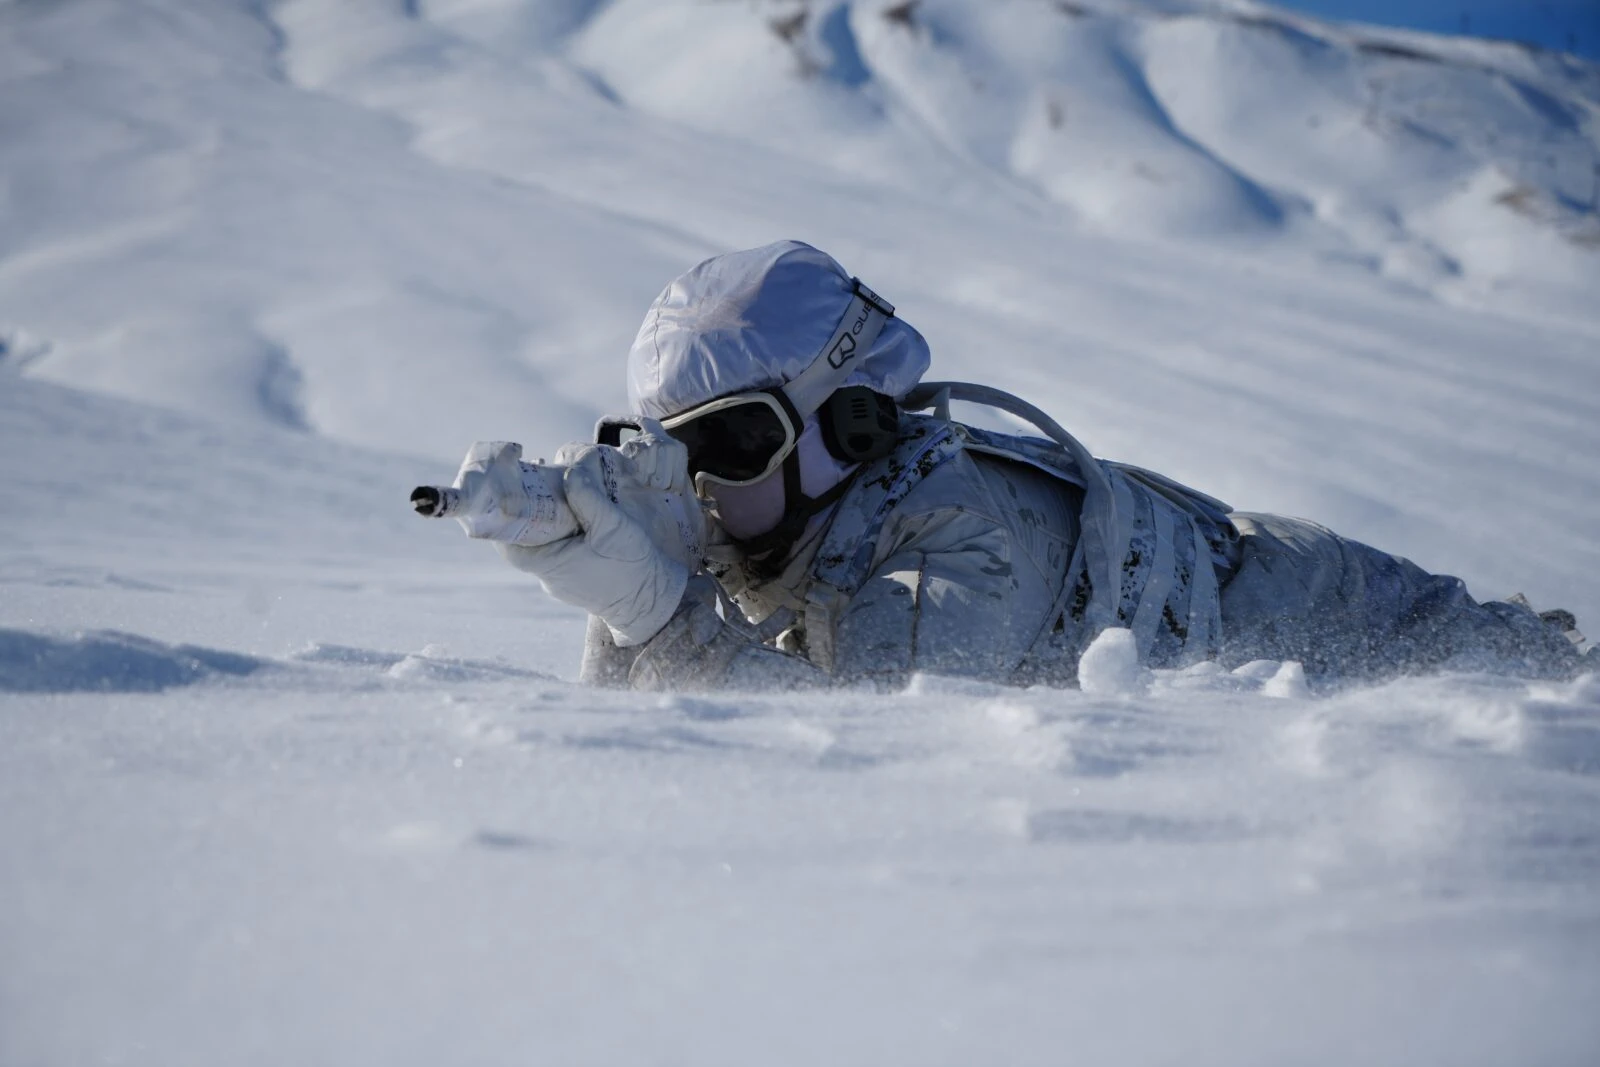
(338, 858)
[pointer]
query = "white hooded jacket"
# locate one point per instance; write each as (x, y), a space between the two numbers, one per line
(969, 570)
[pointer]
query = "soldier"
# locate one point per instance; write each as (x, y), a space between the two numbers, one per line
(854, 539)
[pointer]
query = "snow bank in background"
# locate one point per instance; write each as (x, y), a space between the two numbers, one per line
(108, 662)
(431, 664)
(111, 662)
(1160, 120)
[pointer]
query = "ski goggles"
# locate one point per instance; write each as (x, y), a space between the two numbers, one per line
(739, 439)
(742, 438)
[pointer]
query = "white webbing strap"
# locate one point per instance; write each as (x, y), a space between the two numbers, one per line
(863, 320)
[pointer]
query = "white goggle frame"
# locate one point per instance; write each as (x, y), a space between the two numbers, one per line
(858, 328)
(791, 434)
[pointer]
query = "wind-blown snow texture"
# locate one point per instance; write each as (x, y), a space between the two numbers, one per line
(287, 775)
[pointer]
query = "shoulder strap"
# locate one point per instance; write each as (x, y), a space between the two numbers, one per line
(1148, 547)
(845, 555)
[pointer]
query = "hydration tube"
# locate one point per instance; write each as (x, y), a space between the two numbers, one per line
(1099, 497)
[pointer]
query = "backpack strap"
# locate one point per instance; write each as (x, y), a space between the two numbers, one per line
(844, 559)
(1146, 558)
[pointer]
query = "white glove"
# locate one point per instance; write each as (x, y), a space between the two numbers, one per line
(505, 499)
(642, 535)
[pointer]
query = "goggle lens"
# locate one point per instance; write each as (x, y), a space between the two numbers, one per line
(733, 443)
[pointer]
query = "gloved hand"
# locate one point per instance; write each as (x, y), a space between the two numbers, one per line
(504, 499)
(642, 534)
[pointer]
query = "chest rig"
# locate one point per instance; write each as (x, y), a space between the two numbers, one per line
(1147, 557)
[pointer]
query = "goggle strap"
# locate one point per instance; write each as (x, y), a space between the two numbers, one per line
(797, 421)
(859, 327)
(766, 553)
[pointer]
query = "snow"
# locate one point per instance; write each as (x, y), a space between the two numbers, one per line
(290, 775)
(1110, 666)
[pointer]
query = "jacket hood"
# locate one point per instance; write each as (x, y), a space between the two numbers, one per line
(753, 320)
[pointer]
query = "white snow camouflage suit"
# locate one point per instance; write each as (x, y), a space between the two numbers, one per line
(971, 553)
